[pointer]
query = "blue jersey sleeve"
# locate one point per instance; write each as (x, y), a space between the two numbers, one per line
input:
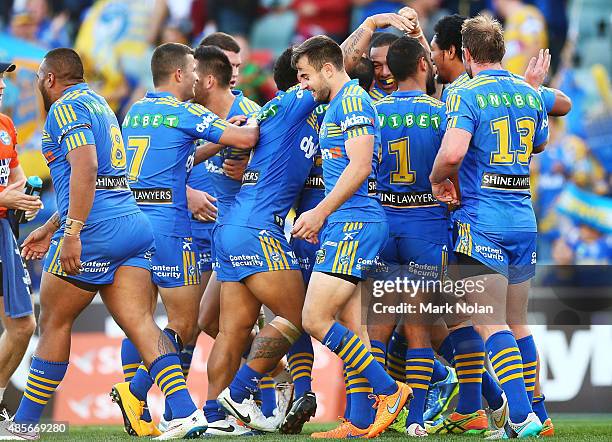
(201, 123)
(548, 97)
(460, 112)
(71, 125)
(357, 117)
(439, 122)
(541, 135)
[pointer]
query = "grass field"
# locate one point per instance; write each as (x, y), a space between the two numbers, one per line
(568, 428)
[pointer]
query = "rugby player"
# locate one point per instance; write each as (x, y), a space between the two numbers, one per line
(256, 264)
(447, 56)
(99, 240)
(16, 309)
(356, 227)
(495, 227)
(413, 125)
(160, 132)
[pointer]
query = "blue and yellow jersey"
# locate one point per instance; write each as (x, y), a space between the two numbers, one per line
(548, 94)
(224, 187)
(376, 93)
(314, 187)
(78, 118)
(159, 132)
(506, 118)
(350, 114)
(280, 163)
(412, 127)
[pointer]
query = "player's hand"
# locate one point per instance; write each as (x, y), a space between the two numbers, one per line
(12, 197)
(36, 245)
(31, 214)
(201, 205)
(410, 14)
(537, 70)
(238, 120)
(70, 255)
(445, 192)
(235, 168)
(307, 226)
(381, 21)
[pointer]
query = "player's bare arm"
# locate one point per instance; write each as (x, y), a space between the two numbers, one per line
(201, 204)
(359, 150)
(83, 173)
(37, 243)
(356, 45)
(206, 151)
(454, 147)
(243, 137)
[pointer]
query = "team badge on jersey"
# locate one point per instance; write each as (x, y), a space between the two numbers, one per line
(320, 256)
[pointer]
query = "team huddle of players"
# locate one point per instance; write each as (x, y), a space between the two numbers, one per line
(188, 198)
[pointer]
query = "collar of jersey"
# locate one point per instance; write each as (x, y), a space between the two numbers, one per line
(76, 87)
(343, 88)
(414, 93)
(153, 94)
(495, 72)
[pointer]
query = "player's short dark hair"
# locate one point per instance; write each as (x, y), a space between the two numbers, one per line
(222, 40)
(364, 72)
(403, 57)
(381, 39)
(212, 60)
(166, 59)
(285, 75)
(319, 49)
(483, 36)
(448, 33)
(65, 64)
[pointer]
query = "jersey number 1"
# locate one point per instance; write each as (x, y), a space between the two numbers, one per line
(402, 173)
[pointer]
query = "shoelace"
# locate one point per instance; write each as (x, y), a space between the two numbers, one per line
(376, 400)
(5, 416)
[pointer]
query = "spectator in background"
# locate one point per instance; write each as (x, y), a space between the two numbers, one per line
(524, 32)
(584, 245)
(36, 24)
(254, 80)
(555, 15)
(234, 17)
(329, 17)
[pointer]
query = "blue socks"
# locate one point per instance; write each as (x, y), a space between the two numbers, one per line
(300, 358)
(43, 379)
(268, 396)
(440, 372)
(167, 373)
(354, 353)
(529, 355)
(358, 391)
(506, 360)
(245, 383)
(539, 408)
(447, 351)
(213, 411)
(419, 367)
(130, 359)
(396, 357)
(379, 352)
(469, 364)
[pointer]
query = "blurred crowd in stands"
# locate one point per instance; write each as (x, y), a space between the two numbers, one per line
(572, 184)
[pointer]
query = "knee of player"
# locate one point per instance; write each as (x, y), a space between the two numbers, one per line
(22, 329)
(290, 331)
(312, 323)
(208, 325)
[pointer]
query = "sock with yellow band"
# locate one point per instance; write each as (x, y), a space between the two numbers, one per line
(167, 373)
(419, 367)
(44, 378)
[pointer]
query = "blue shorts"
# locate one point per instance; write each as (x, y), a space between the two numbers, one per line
(414, 258)
(305, 253)
(202, 238)
(175, 262)
(351, 248)
(106, 246)
(512, 254)
(243, 251)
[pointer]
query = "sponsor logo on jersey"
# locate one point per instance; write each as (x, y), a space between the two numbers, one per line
(5, 171)
(505, 182)
(250, 177)
(489, 252)
(153, 196)
(406, 200)
(5, 138)
(104, 182)
(356, 120)
(314, 182)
